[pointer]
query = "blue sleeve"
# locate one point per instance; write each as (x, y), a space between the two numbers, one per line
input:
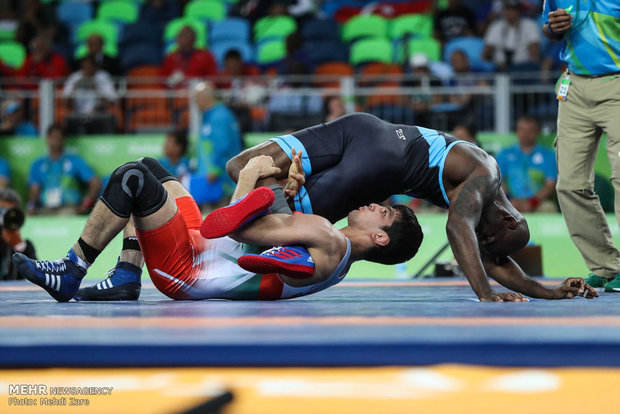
(83, 172)
(5, 169)
(224, 138)
(550, 166)
(545, 12)
(35, 176)
(501, 162)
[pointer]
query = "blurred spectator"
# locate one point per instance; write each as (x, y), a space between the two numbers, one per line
(91, 88)
(255, 9)
(54, 181)
(11, 220)
(529, 170)
(467, 132)
(95, 44)
(423, 102)
(513, 41)
(43, 62)
(159, 11)
(240, 88)
(13, 122)
(454, 21)
(175, 148)
(187, 61)
(235, 67)
(5, 173)
(36, 20)
(220, 139)
(296, 57)
(333, 107)
(290, 106)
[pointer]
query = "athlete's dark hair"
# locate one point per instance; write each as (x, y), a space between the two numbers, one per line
(530, 119)
(405, 236)
(55, 127)
(180, 137)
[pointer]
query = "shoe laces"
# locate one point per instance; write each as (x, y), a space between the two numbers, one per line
(272, 250)
(57, 266)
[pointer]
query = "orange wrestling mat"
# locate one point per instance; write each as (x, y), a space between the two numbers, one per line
(438, 389)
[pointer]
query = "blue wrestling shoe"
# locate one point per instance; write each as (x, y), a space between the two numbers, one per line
(230, 218)
(123, 283)
(61, 279)
(293, 261)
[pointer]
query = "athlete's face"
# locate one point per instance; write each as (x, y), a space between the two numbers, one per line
(373, 216)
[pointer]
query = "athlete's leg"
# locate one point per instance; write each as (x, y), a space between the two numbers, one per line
(124, 280)
(280, 159)
(132, 190)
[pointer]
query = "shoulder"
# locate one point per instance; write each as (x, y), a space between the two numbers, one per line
(529, 24)
(39, 161)
(496, 25)
(546, 152)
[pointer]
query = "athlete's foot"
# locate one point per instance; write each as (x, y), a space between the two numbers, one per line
(293, 261)
(61, 279)
(230, 218)
(122, 284)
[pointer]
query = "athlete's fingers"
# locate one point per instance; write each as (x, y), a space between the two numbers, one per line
(590, 292)
(299, 178)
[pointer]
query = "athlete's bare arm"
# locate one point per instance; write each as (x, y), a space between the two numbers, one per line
(325, 243)
(510, 275)
(467, 202)
(269, 148)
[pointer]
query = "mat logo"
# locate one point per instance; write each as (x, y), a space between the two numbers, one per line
(27, 389)
(400, 134)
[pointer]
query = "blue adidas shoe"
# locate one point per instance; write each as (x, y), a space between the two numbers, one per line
(293, 261)
(61, 279)
(123, 283)
(230, 218)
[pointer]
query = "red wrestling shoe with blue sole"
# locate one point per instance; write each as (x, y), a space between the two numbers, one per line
(293, 261)
(226, 220)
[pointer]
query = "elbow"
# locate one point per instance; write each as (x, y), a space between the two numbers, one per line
(234, 166)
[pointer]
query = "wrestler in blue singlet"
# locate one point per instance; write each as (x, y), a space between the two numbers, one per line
(359, 159)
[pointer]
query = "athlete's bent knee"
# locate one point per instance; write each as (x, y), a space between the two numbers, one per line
(159, 171)
(133, 189)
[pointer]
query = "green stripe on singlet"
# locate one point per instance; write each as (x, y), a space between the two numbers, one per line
(248, 290)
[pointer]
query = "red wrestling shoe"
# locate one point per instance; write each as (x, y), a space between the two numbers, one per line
(293, 261)
(226, 220)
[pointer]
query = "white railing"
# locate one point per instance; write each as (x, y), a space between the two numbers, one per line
(492, 102)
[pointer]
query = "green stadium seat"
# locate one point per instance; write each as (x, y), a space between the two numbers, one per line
(428, 46)
(271, 51)
(7, 33)
(364, 26)
(412, 24)
(274, 26)
(371, 50)
(173, 28)
(209, 10)
(107, 30)
(12, 54)
(82, 50)
(118, 11)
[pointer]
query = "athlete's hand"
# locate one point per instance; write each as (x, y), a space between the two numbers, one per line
(560, 21)
(296, 175)
(574, 286)
(262, 165)
(504, 297)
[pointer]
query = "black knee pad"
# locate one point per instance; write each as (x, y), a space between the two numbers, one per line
(158, 170)
(133, 189)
